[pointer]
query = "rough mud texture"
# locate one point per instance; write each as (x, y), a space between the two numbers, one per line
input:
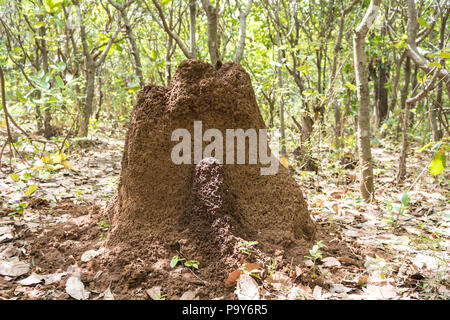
(159, 201)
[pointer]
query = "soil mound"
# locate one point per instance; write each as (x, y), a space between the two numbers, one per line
(209, 206)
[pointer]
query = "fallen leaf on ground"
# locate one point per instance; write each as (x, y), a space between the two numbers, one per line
(35, 278)
(249, 267)
(13, 267)
(247, 288)
(189, 295)
(279, 281)
(75, 288)
(154, 292)
(232, 278)
(380, 292)
(88, 255)
(339, 288)
(331, 262)
(107, 294)
(317, 292)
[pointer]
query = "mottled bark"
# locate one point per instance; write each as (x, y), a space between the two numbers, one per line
(362, 80)
(192, 27)
(243, 13)
(212, 20)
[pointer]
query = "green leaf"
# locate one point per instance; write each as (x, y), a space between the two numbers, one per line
(435, 65)
(31, 189)
(174, 261)
(425, 147)
(406, 199)
(351, 86)
(61, 66)
(423, 23)
(59, 82)
(154, 54)
(444, 54)
(40, 82)
(165, 2)
(438, 164)
(15, 177)
(52, 6)
(40, 24)
(441, 54)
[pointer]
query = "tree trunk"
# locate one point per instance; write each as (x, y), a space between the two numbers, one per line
(381, 109)
(405, 89)
(134, 48)
(86, 111)
(330, 92)
(213, 44)
(48, 130)
(362, 80)
(398, 67)
(280, 87)
(243, 13)
(192, 26)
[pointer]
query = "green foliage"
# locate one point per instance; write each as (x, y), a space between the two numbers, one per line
(315, 254)
(245, 247)
(437, 165)
(194, 264)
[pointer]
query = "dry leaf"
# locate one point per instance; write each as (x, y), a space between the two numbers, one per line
(154, 293)
(384, 292)
(13, 267)
(337, 194)
(284, 162)
(335, 208)
(107, 294)
(297, 272)
(249, 267)
(232, 278)
(317, 292)
(247, 288)
(31, 279)
(88, 255)
(331, 262)
(363, 280)
(279, 281)
(75, 288)
(189, 295)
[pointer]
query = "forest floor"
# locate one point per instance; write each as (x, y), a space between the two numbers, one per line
(50, 239)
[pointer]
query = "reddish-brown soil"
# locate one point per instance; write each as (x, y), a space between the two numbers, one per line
(129, 272)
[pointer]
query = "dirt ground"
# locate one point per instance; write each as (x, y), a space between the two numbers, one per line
(52, 246)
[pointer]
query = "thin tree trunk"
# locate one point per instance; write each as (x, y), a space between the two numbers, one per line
(243, 13)
(134, 48)
(192, 26)
(382, 103)
(280, 87)
(213, 44)
(331, 95)
(90, 66)
(362, 80)
(48, 130)
(405, 89)
(398, 66)
(168, 68)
